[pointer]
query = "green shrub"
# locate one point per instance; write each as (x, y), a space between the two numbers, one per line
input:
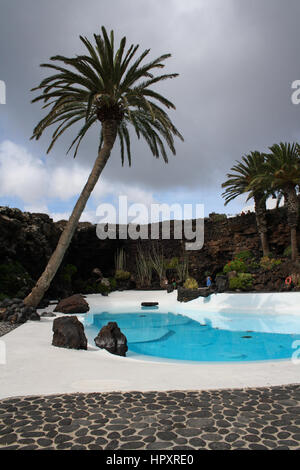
(235, 265)
(268, 263)
(253, 264)
(243, 281)
(191, 283)
(122, 275)
(244, 255)
(288, 252)
(113, 283)
(220, 274)
(94, 287)
(14, 279)
(172, 263)
(217, 217)
(3, 296)
(68, 272)
(102, 289)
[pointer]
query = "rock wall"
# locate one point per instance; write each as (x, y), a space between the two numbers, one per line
(30, 239)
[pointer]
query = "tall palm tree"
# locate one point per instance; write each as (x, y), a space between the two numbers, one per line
(111, 88)
(282, 173)
(238, 183)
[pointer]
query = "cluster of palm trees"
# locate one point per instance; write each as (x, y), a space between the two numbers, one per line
(261, 175)
(112, 88)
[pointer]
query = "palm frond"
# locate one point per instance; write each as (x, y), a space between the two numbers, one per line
(95, 85)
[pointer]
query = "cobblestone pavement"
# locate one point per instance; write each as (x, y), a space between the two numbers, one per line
(266, 418)
(6, 327)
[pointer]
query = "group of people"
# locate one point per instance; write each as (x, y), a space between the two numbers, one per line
(174, 282)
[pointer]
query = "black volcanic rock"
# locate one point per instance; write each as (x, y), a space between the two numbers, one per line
(68, 332)
(29, 239)
(74, 304)
(112, 339)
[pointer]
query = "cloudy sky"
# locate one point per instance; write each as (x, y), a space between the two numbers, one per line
(237, 60)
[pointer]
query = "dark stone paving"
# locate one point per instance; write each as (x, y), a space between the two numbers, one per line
(266, 418)
(6, 327)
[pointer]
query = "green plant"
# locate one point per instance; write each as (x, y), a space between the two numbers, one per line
(158, 261)
(183, 268)
(143, 268)
(268, 263)
(191, 283)
(217, 217)
(113, 283)
(244, 255)
(94, 287)
(67, 273)
(172, 263)
(120, 260)
(122, 275)
(3, 296)
(14, 278)
(243, 281)
(287, 252)
(253, 265)
(235, 265)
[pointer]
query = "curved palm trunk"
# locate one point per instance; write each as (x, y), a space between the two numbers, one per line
(293, 215)
(109, 130)
(261, 222)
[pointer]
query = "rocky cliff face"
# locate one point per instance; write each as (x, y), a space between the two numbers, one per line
(29, 239)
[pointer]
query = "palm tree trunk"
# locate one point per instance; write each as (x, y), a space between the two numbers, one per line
(264, 244)
(109, 129)
(261, 222)
(293, 215)
(294, 243)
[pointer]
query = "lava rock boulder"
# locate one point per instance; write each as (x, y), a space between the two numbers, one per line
(222, 283)
(15, 311)
(186, 295)
(68, 332)
(74, 304)
(112, 339)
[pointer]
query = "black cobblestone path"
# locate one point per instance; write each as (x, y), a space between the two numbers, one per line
(263, 418)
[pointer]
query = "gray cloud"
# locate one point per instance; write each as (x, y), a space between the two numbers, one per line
(236, 60)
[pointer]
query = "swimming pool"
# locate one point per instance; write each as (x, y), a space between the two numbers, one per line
(204, 337)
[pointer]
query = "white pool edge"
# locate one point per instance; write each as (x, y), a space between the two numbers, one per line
(35, 367)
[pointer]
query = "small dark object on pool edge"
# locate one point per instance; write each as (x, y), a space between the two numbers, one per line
(246, 336)
(149, 304)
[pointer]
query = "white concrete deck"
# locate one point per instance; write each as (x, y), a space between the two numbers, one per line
(35, 367)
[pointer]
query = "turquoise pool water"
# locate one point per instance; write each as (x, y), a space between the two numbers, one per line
(174, 336)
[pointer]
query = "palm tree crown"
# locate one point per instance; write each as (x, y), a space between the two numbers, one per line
(239, 183)
(108, 85)
(244, 173)
(282, 168)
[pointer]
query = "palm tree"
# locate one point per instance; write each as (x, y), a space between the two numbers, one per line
(113, 87)
(282, 174)
(238, 183)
